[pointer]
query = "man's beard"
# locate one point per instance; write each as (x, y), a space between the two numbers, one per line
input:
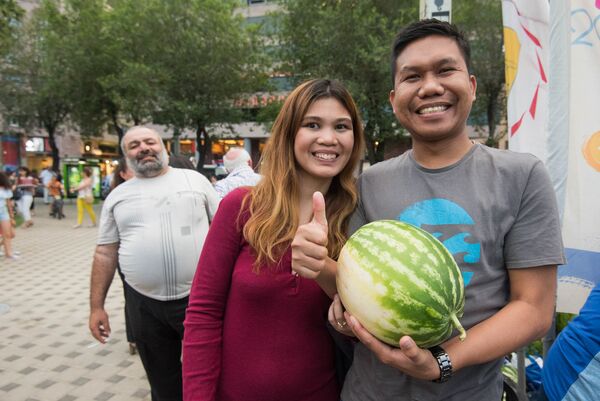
(150, 168)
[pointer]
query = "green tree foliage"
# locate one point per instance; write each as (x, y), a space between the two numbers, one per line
(481, 20)
(116, 73)
(10, 15)
(34, 83)
(209, 59)
(115, 63)
(348, 40)
(94, 60)
(180, 63)
(132, 46)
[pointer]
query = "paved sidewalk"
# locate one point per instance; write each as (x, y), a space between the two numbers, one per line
(46, 350)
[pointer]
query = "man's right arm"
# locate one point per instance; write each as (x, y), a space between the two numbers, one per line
(103, 271)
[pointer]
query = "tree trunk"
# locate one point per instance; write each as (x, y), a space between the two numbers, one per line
(119, 130)
(51, 130)
(175, 147)
(203, 143)
(371, 151)
(491, 119)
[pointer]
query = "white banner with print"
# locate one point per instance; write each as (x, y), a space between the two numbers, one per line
(526, 50)
(581, 215)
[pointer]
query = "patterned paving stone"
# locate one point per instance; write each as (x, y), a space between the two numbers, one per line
(27, 370)
(115, 379)
(93, 366)
(141, 393)
(9, 387)
(104, 396)
(103, 352)
(43, 357)
(47, 353)
(80, 382)
(125, 364)
(45, 384)
(60, 368)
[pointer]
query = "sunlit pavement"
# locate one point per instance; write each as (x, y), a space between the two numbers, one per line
(46, 350)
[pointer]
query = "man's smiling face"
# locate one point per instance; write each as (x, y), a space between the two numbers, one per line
(433, 90)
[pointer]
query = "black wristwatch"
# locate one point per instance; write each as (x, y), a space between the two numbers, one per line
(444, 363)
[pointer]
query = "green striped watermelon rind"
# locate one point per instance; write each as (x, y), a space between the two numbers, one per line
(377, 291)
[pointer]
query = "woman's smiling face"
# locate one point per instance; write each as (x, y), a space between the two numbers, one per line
(324, 142)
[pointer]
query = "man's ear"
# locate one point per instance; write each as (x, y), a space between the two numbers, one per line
(473, 81)
(391, 98)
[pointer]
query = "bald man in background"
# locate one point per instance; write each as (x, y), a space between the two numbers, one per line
(238, 164)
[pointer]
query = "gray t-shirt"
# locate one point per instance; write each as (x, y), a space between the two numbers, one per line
(160, 224)
(494, 210)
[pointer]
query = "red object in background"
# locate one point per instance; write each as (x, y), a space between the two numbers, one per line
(10, 151)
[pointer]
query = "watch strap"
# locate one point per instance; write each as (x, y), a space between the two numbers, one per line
(444, 363)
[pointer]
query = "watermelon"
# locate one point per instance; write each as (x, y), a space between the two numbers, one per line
(397, 280)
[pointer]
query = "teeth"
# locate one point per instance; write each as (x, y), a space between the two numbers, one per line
(325, 156)
(433, 109)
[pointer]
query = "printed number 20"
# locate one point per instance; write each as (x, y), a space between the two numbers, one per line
(593, 26)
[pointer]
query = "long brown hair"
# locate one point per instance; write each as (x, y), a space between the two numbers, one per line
(273, 203)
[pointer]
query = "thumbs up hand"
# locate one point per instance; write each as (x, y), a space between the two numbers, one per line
(309, 247)
(319, 215)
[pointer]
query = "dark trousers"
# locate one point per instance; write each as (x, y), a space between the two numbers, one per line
(157, 327)
(128, 330)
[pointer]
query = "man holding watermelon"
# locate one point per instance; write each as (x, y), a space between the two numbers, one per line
(494, 210)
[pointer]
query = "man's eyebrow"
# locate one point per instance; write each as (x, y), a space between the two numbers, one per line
(408, 68)
(413, 68)
(447, 60)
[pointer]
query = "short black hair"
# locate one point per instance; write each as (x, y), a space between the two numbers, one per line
(424, 28)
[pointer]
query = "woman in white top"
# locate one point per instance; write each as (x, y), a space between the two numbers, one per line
(26, 183)
(85, 198)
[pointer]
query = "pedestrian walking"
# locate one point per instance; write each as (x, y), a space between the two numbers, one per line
(7, 219)
(26, 184)
(45, 177)
(85, 198)
(55, 192)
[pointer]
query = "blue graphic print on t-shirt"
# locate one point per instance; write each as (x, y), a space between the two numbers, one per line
(450, 224)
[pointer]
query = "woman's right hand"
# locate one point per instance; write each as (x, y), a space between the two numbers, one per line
(336, 317)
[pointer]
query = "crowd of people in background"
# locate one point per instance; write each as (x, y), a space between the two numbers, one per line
(19, 187)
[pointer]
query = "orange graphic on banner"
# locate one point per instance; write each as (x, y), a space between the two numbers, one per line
(512, 48)
(591, 151)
